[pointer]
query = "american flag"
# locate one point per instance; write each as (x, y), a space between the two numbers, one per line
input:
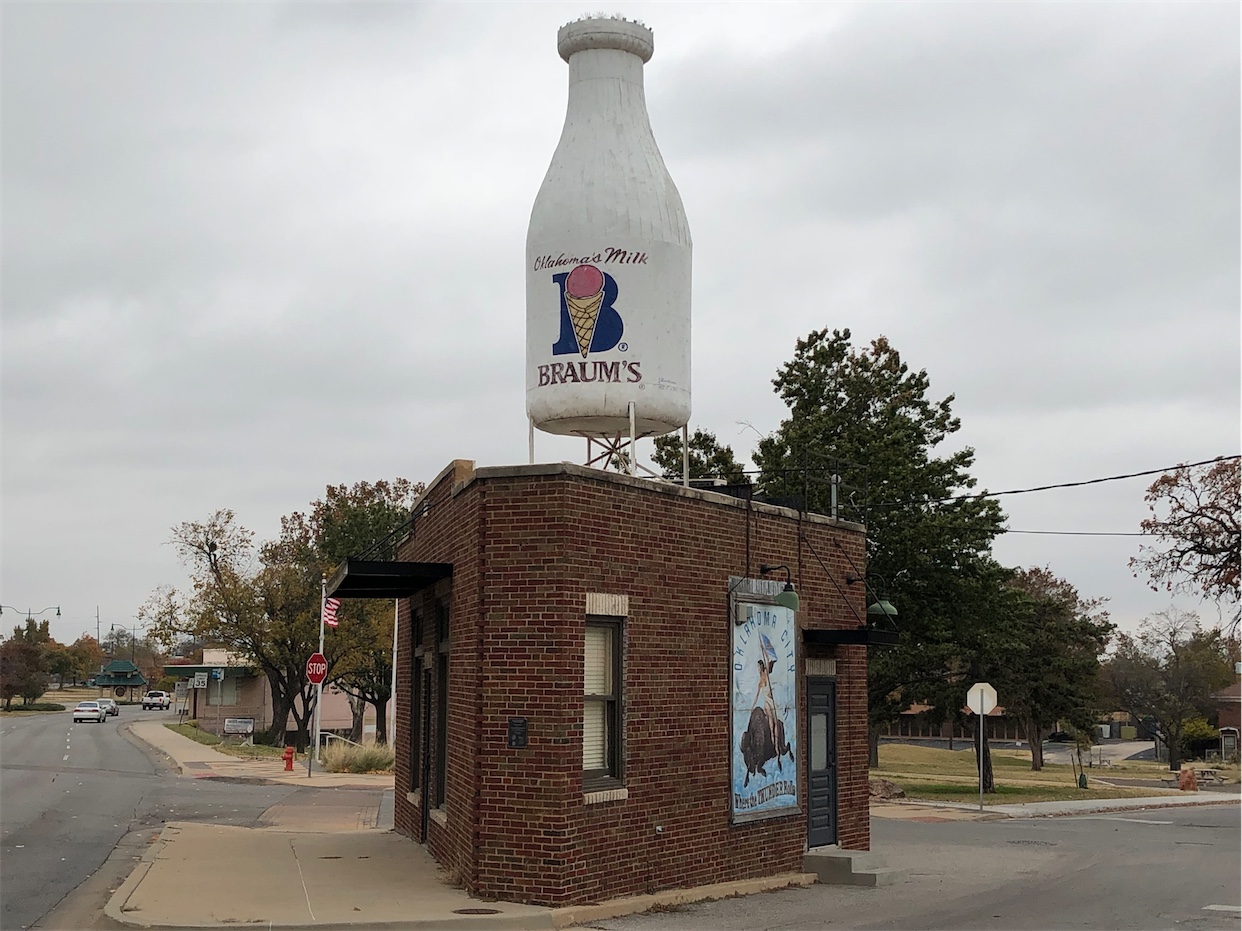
(329, 611)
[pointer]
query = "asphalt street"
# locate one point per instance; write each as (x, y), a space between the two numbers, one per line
(1161, 868)
(70, 793)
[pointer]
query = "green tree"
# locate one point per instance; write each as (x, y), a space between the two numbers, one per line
(263, 601)
(708, 459)
(1048, 667)
(1168, 672)
(348, 521)
(862, 415)
(249, 600)
(58, 662)
(32, 666)
(86, 656)
(21, 671)
(1195, 516)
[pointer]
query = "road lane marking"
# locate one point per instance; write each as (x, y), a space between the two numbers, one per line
(1222, 908)
(65, 757)
(1130, 820)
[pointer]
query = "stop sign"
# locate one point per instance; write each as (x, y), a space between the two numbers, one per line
(981, 698)
(317, 668)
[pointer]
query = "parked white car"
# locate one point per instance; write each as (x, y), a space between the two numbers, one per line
(89, 711)
(156, 700)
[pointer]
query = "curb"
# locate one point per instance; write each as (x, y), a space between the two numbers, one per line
(572, 915)
(1197, 803)
(115, 908)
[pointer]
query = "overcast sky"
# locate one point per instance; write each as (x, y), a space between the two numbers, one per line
(253, 249)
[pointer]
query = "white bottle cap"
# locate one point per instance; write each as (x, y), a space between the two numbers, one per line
(605, 32)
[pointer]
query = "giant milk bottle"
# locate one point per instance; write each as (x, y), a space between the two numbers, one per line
(607, 254)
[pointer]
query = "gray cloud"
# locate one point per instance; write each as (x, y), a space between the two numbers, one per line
(254, 249)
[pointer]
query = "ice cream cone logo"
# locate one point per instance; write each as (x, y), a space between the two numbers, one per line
(589, 321)
(584, 293)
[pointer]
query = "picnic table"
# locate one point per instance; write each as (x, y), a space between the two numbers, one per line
(1202, 776)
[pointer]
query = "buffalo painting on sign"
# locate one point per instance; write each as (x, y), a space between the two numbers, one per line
(764, 712)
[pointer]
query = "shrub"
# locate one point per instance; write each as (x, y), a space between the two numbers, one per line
(1198, 737)
(39, 706)
(340, 757)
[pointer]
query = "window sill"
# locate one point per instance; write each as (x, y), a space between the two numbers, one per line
(599, 796)
(439, 816)
(415, 797)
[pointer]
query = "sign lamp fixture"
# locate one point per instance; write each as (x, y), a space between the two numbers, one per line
(31, 612)
(789, 597)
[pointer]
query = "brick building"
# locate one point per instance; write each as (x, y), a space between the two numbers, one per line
(577, 709)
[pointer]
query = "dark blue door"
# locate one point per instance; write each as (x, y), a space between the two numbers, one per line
(821, 700)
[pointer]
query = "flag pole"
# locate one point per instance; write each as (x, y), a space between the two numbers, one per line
(392, 690)
(323, 601)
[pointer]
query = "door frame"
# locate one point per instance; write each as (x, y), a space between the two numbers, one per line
(826, 686)
(425, 740)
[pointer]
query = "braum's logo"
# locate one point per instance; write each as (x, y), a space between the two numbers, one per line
(589, 322)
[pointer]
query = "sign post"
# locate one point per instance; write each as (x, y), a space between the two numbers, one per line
(218, 675)
(316, 672)
(981, 699)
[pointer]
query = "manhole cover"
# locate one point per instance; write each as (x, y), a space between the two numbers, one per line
(476, 911)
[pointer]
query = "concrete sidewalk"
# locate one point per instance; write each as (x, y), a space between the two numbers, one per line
(191, 758)
(312, 868)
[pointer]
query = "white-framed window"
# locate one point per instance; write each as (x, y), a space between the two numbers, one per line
(602, 735)
(222, 692)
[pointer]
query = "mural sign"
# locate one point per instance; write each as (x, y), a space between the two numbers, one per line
(764, 707)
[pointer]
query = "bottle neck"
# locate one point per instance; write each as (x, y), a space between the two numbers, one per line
(601, 79)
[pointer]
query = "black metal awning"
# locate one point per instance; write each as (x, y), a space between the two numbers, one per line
(866, 636)
(360, 578)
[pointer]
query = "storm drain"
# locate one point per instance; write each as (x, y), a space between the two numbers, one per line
(476, 911)
(1033, 843)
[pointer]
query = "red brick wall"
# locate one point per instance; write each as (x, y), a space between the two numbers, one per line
(527, 545)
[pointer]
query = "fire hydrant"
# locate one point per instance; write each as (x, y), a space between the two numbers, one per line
(288, 758)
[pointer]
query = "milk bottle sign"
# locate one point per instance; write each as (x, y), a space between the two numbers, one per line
(607, 254)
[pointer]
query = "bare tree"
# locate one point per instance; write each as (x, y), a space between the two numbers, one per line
(1195, 515)
(1168, 672)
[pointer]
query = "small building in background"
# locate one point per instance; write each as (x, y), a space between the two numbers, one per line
(122, 679)
(242, 691)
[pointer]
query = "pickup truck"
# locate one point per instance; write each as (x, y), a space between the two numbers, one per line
(158, 700)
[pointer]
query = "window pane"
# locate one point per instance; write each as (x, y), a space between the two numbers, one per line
(594, 734)
(819, 742)
(597, 667)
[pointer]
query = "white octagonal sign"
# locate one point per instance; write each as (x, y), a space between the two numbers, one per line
(981, 698)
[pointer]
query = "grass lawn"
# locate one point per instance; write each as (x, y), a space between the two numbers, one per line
(1016, 793)
(256, 752)
(951, 775)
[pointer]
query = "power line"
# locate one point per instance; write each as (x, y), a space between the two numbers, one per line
(1091, 481)
(1083, 533)
(1025, 491)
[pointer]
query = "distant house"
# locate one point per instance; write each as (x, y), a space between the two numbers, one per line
(1229, 719)
(242, 691)
(1229, 706)
(123, 678)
